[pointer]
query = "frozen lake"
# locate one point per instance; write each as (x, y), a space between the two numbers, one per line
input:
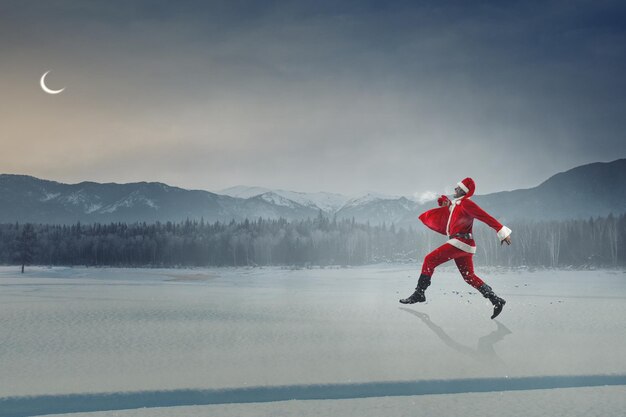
(335, 340)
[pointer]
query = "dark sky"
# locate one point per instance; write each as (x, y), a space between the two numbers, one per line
(341, 96)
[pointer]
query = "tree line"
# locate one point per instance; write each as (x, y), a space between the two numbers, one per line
(596, 242)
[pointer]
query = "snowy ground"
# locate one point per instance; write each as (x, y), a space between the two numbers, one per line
(83, 339)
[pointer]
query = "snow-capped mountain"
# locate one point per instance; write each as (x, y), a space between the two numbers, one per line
(242, 191)
(379, 209)
(327, 202)
(586, 191)
(28, 199)
(591, 190)
(368, 199)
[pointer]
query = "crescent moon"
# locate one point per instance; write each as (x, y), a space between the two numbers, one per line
(45, 88)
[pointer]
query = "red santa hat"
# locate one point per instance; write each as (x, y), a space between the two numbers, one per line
(468, 186)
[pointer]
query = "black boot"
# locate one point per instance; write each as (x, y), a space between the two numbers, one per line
(418, 296)
(498, 303)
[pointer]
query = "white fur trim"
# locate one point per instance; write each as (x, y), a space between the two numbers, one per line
(504, 233)
(462, 245)
(463, 187)
(451, 208)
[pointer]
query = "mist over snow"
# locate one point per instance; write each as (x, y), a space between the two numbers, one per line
(425, 196)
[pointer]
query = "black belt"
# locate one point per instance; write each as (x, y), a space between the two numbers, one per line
(462, 235)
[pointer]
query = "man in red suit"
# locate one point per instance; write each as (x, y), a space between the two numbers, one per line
(454, 218)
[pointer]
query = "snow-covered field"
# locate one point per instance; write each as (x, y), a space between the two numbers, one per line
(278, 342)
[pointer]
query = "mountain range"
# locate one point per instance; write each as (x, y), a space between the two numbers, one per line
(591, 190)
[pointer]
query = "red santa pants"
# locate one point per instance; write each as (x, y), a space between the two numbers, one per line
(463, 260)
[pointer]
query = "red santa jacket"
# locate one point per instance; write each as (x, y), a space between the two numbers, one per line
(458, 217)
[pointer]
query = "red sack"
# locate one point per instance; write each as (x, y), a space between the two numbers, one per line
(436, 219)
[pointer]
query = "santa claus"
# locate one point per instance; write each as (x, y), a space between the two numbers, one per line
(454, 218)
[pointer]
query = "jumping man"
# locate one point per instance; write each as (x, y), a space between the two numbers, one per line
(455, 219)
